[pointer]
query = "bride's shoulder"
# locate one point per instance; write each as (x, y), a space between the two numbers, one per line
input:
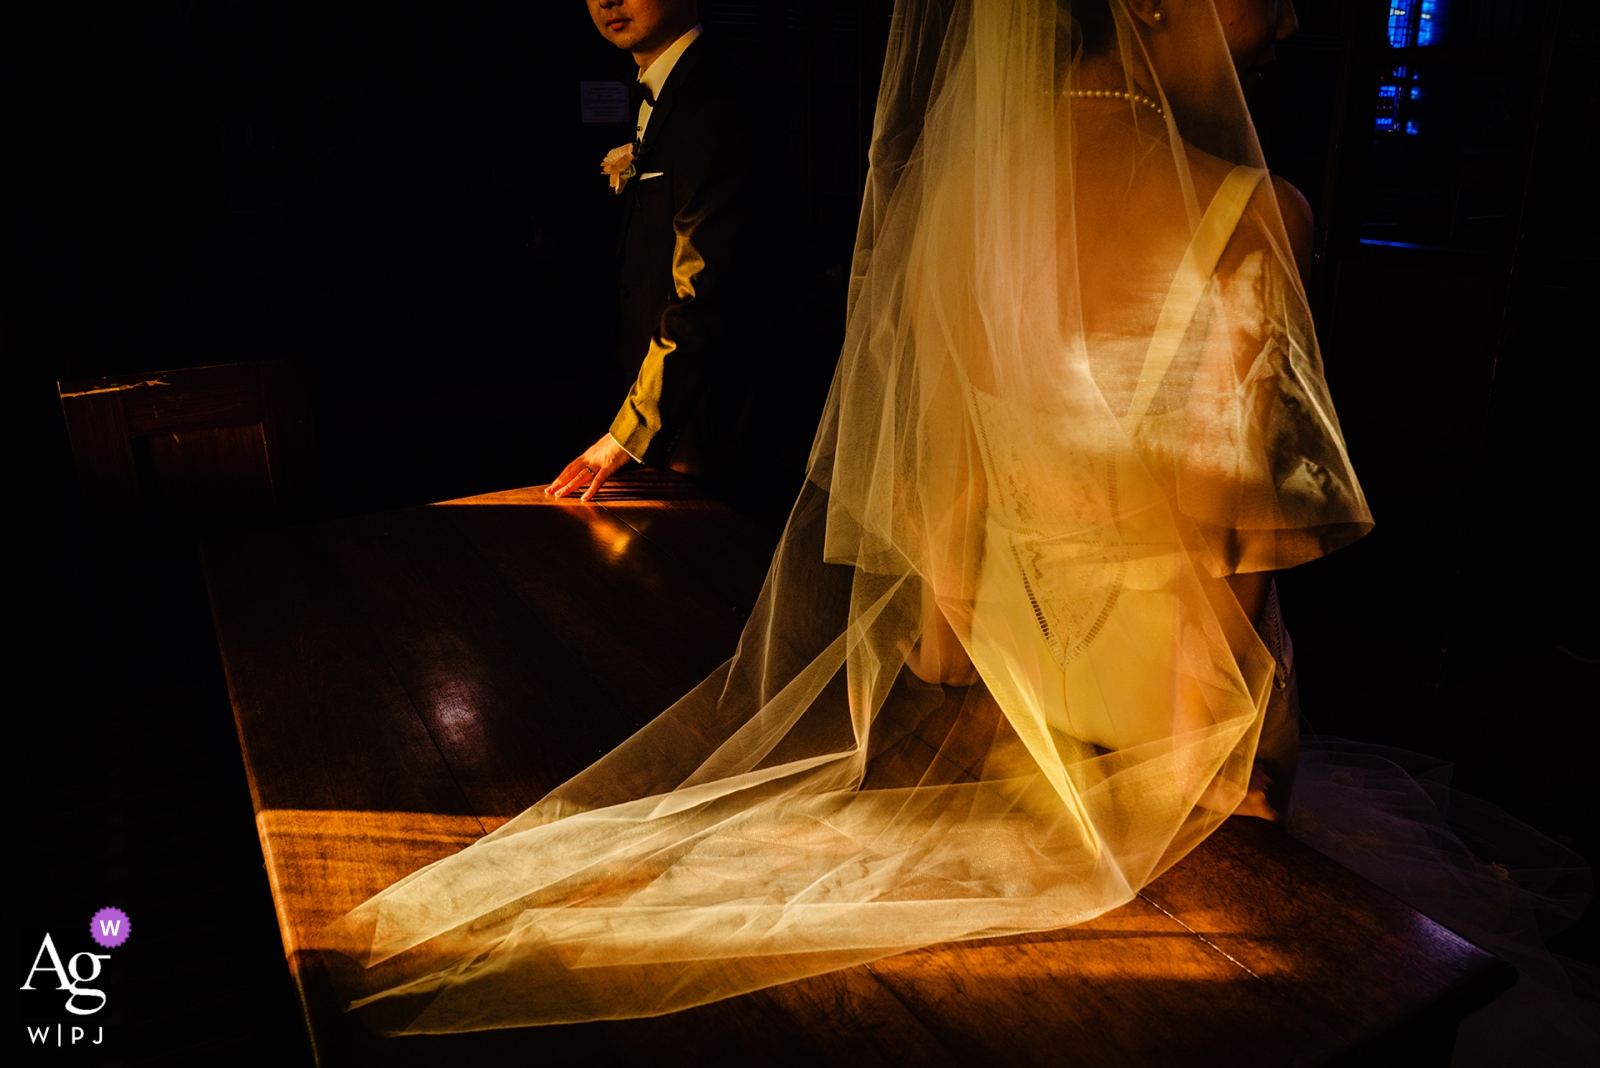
(1278, 215)
(1298, 224)
(1272, 201)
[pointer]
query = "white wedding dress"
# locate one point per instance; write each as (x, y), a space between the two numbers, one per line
(1079, 391)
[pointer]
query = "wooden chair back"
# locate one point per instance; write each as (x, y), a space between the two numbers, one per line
(229, 442)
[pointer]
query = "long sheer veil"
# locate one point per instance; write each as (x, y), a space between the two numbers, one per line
(1079, 390)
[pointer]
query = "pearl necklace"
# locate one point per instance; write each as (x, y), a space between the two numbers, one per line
(1117, 94)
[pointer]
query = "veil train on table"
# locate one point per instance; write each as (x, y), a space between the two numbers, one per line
(999, 677)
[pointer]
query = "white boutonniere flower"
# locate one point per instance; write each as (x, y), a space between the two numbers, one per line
(618, 166)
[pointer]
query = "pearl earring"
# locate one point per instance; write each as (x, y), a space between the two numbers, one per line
(1158, 16)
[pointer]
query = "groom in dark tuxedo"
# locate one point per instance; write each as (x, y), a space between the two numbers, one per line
(691, 271)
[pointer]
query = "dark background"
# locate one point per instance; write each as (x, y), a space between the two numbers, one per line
(1453, 267)
(399, 199)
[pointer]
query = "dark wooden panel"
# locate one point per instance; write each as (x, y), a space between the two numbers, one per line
(223, 470)
(844, 1018)
(510, 707)
(852, 1018)
(230, 441)
(349, 790)
(629, 615)
(729, 553)
(1343, 952)
(1131, 987)
(195, 398)
(100, 447)
(286, 425)
(750, 1030)
(324, 723)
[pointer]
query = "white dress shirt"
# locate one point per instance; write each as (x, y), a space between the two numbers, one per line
(654, 77)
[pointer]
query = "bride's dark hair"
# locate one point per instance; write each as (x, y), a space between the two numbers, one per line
(1094, 27)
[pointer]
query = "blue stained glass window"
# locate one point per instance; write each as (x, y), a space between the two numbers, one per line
(1428, 23)
(1412, 23)
(1400, 22)
(1388, 97)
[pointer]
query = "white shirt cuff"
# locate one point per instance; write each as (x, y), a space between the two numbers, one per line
(623, 447)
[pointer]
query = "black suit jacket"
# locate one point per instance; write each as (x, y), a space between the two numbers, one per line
(691, 271)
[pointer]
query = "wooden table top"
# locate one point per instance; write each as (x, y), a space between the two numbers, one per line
(404, 683)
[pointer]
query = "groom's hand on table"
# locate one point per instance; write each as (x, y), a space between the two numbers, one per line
(599, 462)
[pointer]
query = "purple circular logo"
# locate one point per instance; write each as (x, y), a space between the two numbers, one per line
(110, 927)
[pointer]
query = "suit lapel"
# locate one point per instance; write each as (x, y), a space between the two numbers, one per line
(660, 115)
(649, 153)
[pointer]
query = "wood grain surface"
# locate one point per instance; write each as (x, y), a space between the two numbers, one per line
(403, 683)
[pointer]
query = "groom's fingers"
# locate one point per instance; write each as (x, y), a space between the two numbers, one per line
(598, 481)
(571, 478)
(598, 463)
(601, 475)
